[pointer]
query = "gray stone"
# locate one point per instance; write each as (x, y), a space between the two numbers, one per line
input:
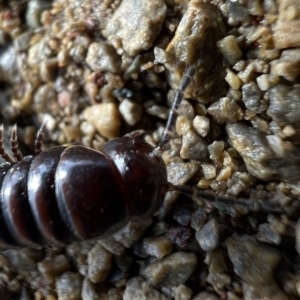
(209, 235)
(172, 270)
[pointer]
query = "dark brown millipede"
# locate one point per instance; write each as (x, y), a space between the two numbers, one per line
(74, 193)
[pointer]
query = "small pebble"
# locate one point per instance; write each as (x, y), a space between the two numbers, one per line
(99, 263)
(209, 235)
(105, 118)
(158, 246)
(68, 286)
(137, 288)
(172, 270)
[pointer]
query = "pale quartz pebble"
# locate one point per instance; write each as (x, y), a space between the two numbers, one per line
(246, 74)
(130, 111)
(138, 288)
(105, 118)
(99, 263)
(156, 110)
(215, 150)
(233, 80)
(173, 269)
(89, 291)
(288, 65)
(87, 129)
(209, 171)
(68, 286)
(53, 267)
(201, 125)
(111, 245)
(102, 56)
(203, 184)
(193, 146)
(266, 81)
(182, 292)
(226, 110)
(183, 125)
(286, 32)
(132, 232)
(179, 172)
(147, 19)
(240, 66)
(158, 246)
(230, 49)
(289, 130)
(224, 174)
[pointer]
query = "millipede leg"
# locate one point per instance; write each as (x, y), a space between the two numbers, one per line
(39, 140)
(14, 144)
(3, 153)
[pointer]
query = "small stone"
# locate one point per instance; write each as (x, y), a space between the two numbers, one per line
(89, 291)
(257, 271)
(68, 286)
(132, 232)
(230, 49)
(105, 118)
(111, 245)
(180, 236)
(180, 173)
(287, 65)
(137, 288)
(284, 103)
(266, 81)
(191, 45)
(209, 235)
(193, 146)
(226, 110)
(182, 292)
(209, 171)
(182, 215)
(99, 263)
(53, 267)
(198, 219)
(156, 110)
(130, 111)
(158, 246)
(286, 29)
(103, 57)
(253, 98)
(183, 125)
(233, 80)
(139, 35)
(260, 152)
(172, 270)
(267, 235)
(215, 150)
(201, 125)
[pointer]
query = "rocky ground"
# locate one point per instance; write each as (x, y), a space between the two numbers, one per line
(97, 69)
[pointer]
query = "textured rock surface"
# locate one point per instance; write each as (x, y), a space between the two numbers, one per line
(266, 156)
(255, 270)
(136, 25)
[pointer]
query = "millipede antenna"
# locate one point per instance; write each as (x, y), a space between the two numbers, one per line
(167, 134)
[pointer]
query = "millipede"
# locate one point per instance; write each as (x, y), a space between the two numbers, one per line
(73, 193)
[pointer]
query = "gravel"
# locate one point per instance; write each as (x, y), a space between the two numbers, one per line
(94, 72)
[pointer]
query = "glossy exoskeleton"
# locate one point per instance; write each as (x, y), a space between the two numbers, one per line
(76, 193)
